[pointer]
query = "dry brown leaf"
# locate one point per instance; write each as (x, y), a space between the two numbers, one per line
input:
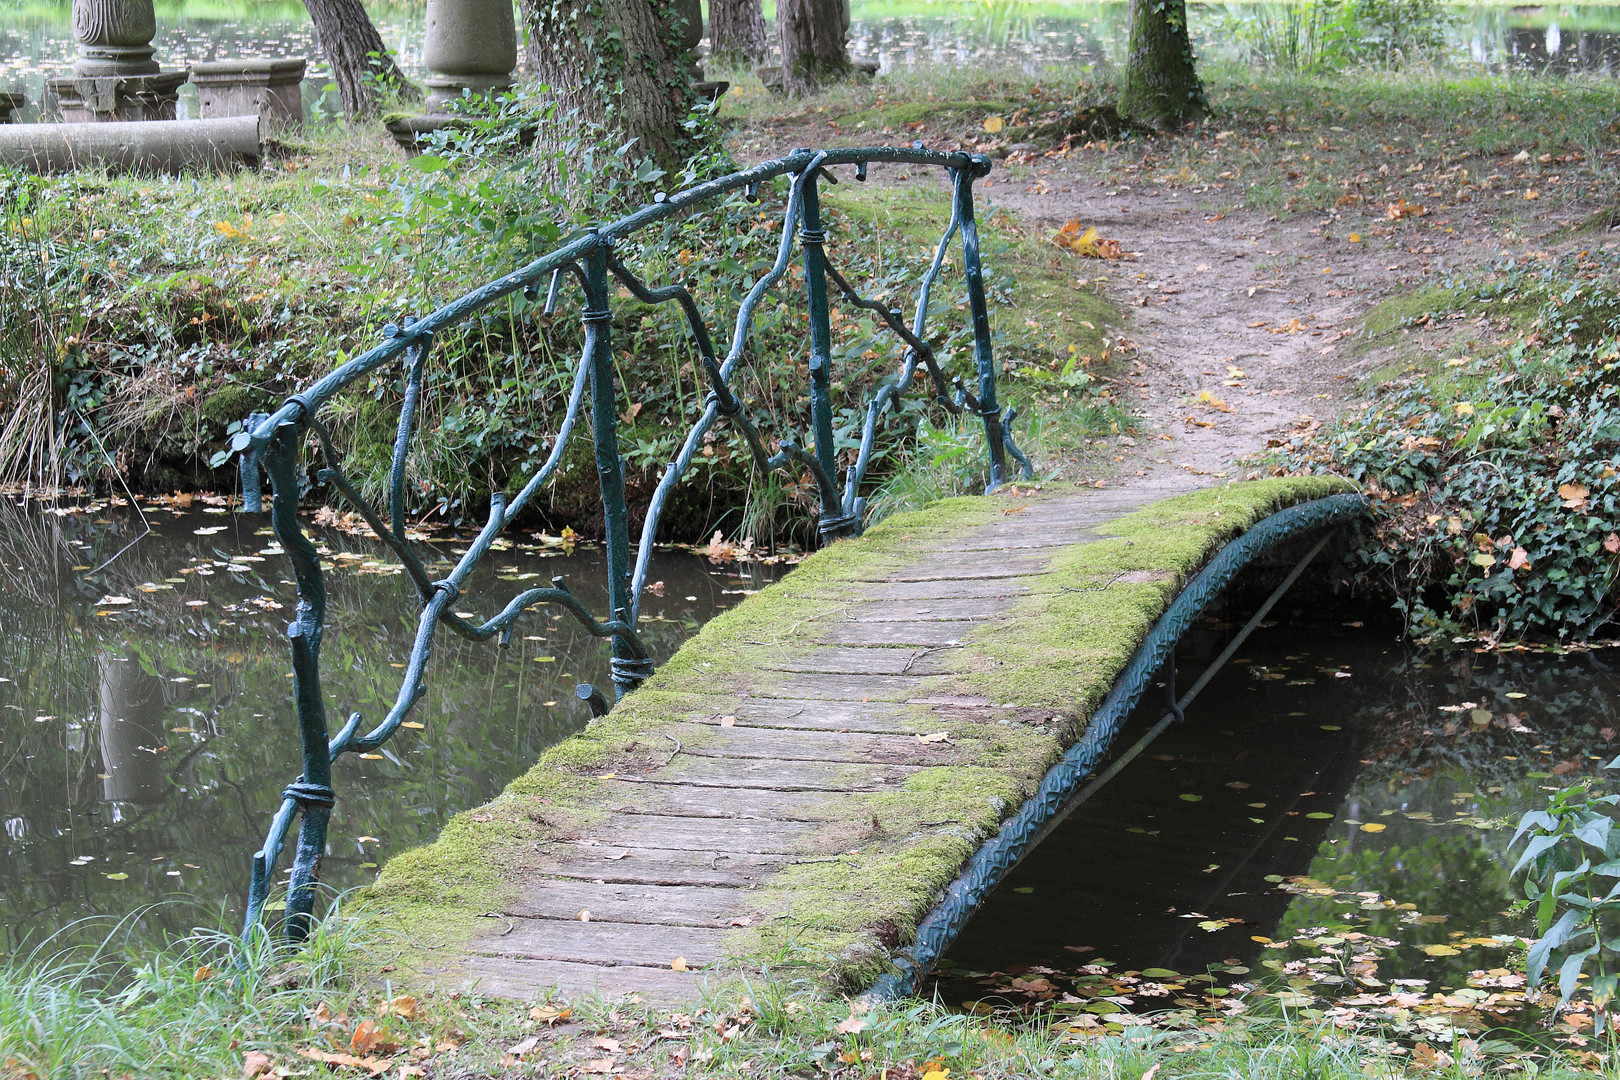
(598, 1066)
(255, 1063)
(679, 964)
(518, 1049)
(1611, 544)
(1574, 495)
(1087, 243)
(936, 737)
(1520, 559)
(549, 1014)
(851, 1025)
(405, 1007)
(584, 915)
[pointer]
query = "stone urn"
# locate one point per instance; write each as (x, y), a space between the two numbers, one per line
(469, 45)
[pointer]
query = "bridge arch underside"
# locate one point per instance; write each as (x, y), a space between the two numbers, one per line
(827, 780)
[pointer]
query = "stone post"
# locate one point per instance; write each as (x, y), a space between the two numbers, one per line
(469, 44)
(114, 76)
(268, 89)
(10, 102)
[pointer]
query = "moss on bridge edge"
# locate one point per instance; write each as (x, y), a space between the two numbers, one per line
(1057, 656)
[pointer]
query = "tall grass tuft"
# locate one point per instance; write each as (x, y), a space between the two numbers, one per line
(191, 1009)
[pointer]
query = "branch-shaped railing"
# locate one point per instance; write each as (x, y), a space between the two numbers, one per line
(275, 441)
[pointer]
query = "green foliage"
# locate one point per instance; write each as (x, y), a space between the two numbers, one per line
(1571, 865)
(1496, 471)
(186, 1010)
(1331, 35)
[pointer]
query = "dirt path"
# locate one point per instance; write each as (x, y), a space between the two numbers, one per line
(1242, 320)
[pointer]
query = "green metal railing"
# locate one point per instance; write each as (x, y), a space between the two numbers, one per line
(275, 442)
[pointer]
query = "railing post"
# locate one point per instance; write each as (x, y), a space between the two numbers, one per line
(628, 671)
(313, 790)
(989, 408)
(835, 523)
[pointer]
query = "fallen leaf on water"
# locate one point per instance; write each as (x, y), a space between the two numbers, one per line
(1440, 950)
(1374, 826)
(210, 530)
(109, 601)
(120, 876)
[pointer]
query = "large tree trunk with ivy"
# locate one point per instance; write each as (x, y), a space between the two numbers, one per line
(737, 31)
(1161, 81)
(361, 64)
(812, 39)
(618, 64)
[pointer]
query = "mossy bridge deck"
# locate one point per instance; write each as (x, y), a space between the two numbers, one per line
(826, 779)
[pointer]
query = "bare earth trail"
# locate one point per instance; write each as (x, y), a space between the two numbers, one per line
(1258, 311)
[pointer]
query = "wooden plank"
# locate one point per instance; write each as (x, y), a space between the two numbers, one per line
(962, 610)
(915, 631)
(778, 774)
(662, 905)
(752, 835)
(597, 942)
(524, 980)
(873, 717)
(656, 866)
(793, 745)
(1005, 589)
(830, 687)
(876, 659)
(703, 800)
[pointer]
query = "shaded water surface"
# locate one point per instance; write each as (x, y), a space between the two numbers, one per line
(1331, 786)
(145, 727)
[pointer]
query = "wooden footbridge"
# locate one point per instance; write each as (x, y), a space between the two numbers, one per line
(808, 786)
(826, 780)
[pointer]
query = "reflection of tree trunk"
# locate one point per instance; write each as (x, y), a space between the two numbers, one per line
(131, 728)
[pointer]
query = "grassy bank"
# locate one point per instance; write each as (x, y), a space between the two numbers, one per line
(143, 316)
(1490, 441)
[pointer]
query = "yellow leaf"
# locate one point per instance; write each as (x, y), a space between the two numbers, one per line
(1440, 950)
(993, 124)
(1463, 408)
(1482, 559)
(1574, 496)
(679, 964)
(1374, 826)
(1355, 238)
(405, 1007)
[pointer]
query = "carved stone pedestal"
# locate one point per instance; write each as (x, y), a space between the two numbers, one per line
(114, 76)
(9, 102)
(269, 89)
(90, 99)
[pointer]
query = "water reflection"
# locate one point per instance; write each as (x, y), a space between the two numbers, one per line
(145, 731)
(1331, 754)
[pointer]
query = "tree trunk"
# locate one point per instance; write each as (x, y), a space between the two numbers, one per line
(616, 63)
(812, 38)
(737, 30)
(1161, 83)
(361, 64)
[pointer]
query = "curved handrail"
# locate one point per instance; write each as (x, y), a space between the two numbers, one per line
(591, 258)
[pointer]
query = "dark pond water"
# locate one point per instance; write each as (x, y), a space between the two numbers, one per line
(36, 39)
(1332, 785)
(144, 744)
